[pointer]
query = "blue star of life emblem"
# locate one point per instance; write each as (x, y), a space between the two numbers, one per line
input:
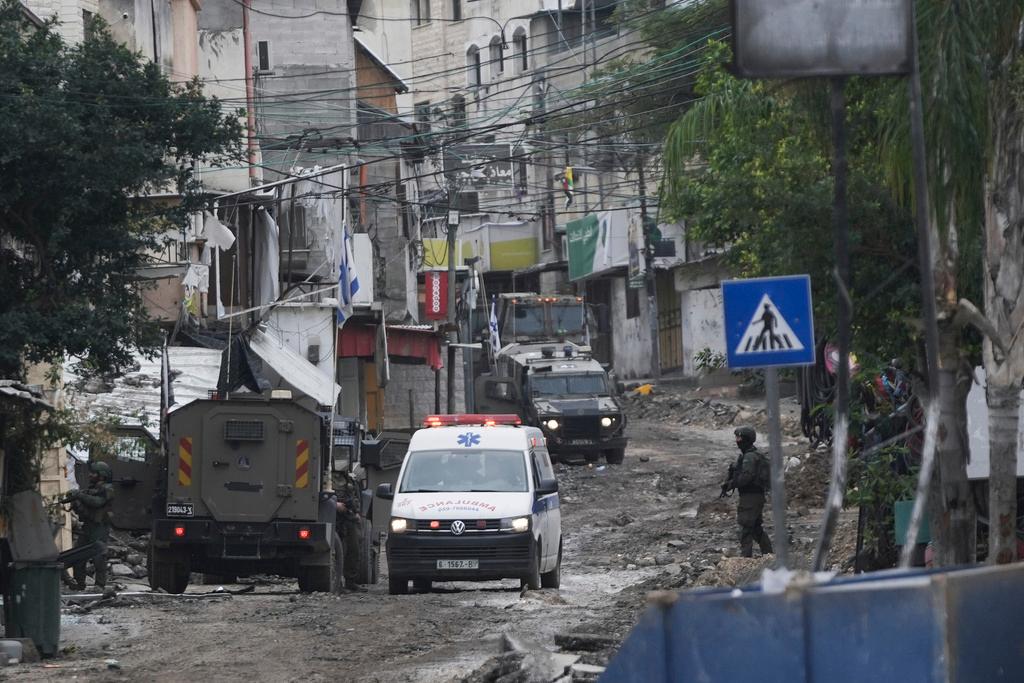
(469, 439)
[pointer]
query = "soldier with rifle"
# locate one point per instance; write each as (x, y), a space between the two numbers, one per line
(350, 528)
(751, 476)
(92, 505)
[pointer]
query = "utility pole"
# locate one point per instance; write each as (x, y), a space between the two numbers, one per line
(250, 95)
(453, 335)
(652, 291)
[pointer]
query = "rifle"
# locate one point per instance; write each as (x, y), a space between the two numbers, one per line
(727, 486)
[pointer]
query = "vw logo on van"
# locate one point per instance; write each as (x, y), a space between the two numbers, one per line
(458, 527)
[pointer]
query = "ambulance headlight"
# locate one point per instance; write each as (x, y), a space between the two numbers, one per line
(400, 525)
(520, 524)
(606, 422)
(551, 424)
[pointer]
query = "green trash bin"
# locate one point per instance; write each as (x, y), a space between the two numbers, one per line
(32, 604)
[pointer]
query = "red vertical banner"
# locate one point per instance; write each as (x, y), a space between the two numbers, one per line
(435, 294)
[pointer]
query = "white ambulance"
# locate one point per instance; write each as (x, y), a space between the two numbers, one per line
(476, 500)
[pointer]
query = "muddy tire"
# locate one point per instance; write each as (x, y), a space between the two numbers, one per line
(615, 456)
(532, 580)
(422, 585)
(553, 578)
(324, 578)
(369, 562)
(168, 570)
(398, 585)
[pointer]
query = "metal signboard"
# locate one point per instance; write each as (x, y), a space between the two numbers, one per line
(435, 299)
(474, 165)
(768, 322)
(802, 38)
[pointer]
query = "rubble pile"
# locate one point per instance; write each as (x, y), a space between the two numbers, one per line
(669, 405)
(808, 478)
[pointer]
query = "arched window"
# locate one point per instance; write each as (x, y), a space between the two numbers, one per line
(497, 57)
(458, 112)
(522, 56)
(473, 74)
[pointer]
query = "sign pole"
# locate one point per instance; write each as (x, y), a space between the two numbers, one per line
(840, 231)
(771, 383)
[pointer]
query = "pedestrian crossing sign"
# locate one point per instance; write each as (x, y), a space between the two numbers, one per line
(768, 321)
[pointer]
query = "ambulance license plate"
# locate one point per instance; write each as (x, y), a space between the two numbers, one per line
(181, 510)
(458, 564)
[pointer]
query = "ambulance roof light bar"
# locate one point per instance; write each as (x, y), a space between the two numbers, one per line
(475, 419)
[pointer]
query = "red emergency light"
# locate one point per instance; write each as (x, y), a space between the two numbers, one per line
(475, 419)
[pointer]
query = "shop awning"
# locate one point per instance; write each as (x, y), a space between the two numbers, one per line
(417, 343)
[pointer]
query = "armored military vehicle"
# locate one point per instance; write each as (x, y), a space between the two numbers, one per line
(544, 371)
(247, 490)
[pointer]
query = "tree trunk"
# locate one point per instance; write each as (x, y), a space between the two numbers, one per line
(1003, 268)
(951, 507)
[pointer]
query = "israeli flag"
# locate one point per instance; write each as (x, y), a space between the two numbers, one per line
(348, 280)
(495, 339)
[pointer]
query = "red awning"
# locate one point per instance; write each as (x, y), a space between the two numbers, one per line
(404, 342)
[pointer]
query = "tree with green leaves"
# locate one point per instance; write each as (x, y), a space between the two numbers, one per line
(87, 132)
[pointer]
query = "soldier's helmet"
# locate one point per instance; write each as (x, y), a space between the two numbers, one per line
(102, 470)
(746, 434)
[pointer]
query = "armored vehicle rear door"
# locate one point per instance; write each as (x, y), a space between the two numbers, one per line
(133, 457)
(259, 461)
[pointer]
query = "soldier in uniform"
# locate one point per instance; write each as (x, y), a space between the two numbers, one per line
(350, 527)
(749, 477)
(92, 505)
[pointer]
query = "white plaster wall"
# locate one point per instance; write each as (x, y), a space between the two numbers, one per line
(299, 326)
(631, 337)
(222, 69)
(702, 317)
(68, 12)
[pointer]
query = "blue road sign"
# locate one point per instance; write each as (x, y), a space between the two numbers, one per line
(768, 321)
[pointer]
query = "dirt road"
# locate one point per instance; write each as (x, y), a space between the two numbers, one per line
(653, 522)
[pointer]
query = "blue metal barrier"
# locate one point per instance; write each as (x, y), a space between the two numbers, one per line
(956, 626)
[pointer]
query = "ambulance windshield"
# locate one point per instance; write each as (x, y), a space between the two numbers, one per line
(464, 471)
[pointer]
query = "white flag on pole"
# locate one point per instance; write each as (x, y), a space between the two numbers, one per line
(348, 280)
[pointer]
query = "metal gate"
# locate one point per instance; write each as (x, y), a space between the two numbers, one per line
(670, 322)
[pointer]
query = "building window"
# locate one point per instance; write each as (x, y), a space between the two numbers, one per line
(632, 301)
(423, 116)
(522, 57)
(263, 63)
(473, 74)
(497, 57)
(421, 12)
(458, 112)
(88, 24)
(456, 10)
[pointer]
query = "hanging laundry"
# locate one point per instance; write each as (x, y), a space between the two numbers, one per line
(197, 278)
(217, 234)
(267, 249)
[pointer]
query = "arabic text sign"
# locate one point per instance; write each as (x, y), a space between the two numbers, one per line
(801, 38)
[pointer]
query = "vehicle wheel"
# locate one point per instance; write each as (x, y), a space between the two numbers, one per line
(422, 585)
(553, 578)
(532, 580)
(324, 578)
(398, 585)
(615, 456)
(369, 569)
(168, 569)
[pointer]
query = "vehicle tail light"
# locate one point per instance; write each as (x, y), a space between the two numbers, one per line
(304, 534)
(179, 531)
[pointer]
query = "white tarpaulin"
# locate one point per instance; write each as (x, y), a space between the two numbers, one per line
(294, 369)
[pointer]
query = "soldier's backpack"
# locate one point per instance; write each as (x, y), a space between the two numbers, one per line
(763, 477)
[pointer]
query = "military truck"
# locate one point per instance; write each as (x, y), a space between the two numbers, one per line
(247, 490)
(545, 372)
